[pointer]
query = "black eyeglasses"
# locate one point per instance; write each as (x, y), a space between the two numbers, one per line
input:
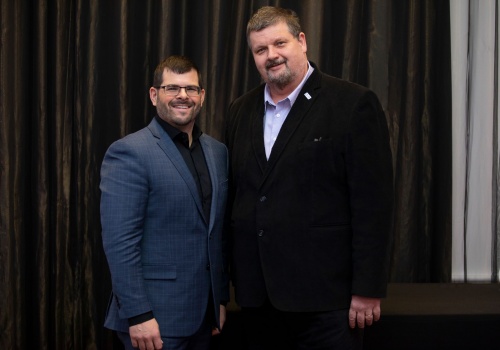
(173, 90)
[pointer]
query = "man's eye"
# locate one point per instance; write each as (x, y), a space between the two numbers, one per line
(192, 89)
(172, 88)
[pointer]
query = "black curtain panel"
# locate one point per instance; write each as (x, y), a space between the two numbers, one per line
(75, 76)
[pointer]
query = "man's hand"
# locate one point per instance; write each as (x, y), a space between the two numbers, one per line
(363, 311)
(146, 335)
(222, 314)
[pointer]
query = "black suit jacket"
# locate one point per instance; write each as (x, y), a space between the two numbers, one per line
(312, 225)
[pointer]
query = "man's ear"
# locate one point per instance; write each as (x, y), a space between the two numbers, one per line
(153, 95)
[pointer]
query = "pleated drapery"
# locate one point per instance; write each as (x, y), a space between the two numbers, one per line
(476, 190)
(75, 75)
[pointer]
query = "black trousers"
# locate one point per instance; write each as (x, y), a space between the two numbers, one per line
(267, 328)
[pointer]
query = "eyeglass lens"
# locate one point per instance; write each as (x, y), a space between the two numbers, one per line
(173, 90)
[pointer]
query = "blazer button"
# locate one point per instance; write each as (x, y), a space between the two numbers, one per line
(263, 198)
(208, 266)
(261, 233)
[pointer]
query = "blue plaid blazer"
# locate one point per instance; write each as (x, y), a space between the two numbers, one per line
(163, 255)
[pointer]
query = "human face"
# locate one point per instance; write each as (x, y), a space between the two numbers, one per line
(279, 57)
(181, 110)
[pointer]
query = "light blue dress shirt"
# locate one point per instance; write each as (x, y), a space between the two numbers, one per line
(275, 114)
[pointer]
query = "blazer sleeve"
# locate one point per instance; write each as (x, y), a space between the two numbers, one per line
(370, 174)
(124, 190)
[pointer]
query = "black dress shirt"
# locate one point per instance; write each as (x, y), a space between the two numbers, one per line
(195, 160)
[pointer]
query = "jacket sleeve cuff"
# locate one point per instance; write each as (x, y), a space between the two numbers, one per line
(132, 321)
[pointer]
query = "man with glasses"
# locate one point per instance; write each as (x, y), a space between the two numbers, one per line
(164, 192)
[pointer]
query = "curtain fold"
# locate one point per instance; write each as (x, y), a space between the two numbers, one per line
(75, 75)
(15, 260)
(475, 140)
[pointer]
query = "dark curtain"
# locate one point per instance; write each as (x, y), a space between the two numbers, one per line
(75, 76)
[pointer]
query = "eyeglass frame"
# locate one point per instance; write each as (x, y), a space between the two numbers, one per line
(189, 93)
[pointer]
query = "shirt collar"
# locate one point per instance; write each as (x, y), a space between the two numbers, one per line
(173, 132)
(293, 95)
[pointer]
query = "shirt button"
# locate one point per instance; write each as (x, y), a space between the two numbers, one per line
(263, 198)
(261, 233)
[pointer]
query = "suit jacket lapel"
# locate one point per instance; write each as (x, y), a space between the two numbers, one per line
(304, 101)
(168, 146)
(212, 169)
(258, 131)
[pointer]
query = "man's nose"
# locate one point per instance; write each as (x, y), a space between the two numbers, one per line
(182, 92)
(272, 53)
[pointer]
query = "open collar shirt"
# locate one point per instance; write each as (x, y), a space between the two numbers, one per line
(195, 160)
(276, 113)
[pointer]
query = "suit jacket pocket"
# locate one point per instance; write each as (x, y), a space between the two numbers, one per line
(159, 272)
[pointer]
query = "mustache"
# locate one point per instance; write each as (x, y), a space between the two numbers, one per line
(179, 102)
(273, 63)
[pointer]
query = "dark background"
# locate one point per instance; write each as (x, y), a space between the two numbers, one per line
(75, 76)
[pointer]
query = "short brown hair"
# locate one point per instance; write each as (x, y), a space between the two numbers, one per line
(269, 15)
(177, 64)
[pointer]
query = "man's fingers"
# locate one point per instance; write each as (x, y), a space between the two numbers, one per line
(352, 318)
(369, 319)
(147, 344)
(362, 319)
(158, 343)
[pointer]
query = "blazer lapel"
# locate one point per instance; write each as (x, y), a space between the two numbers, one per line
(257, 131)
(212, 169)
(304, 101)
(168, 146)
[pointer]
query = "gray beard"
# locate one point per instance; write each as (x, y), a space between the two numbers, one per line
(282, 80)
